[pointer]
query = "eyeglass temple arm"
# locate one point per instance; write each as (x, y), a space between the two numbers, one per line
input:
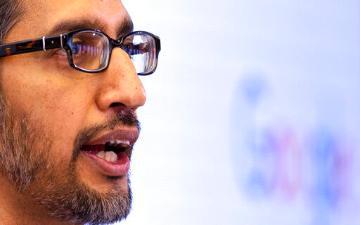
(43, 44)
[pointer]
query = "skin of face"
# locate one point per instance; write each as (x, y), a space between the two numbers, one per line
(60, 102)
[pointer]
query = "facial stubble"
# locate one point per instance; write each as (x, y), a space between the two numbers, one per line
(26, 160)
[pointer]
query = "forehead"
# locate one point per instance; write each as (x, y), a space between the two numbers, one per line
(39, 17)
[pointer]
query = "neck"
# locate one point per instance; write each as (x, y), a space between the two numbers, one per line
(18, 208)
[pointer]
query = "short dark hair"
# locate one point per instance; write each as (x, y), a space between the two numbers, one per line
(9, 12)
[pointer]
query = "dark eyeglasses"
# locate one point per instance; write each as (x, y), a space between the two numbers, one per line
(90, 50)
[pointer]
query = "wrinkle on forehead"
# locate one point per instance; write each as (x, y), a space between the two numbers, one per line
(40, 16)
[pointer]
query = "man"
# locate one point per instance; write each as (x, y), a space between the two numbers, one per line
(69, 94)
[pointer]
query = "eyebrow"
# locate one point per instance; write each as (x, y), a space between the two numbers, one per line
(125, 27)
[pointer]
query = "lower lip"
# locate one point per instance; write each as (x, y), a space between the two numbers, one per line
(113, 169)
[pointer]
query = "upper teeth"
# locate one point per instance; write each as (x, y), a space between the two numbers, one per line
(109, 156)
(117, 142)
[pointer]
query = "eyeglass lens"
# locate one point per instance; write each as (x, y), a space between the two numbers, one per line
(90, 51)
(142, 51)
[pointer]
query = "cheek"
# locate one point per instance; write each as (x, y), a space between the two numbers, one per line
(60, 106)
(63, 115)
(63, 119)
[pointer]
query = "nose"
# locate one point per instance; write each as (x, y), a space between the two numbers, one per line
(120, 84)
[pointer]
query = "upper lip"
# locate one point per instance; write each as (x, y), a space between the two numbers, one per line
(127, 135)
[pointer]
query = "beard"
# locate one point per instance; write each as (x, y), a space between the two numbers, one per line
(26, 160)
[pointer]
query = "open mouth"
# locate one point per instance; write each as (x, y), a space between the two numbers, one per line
(111, 151)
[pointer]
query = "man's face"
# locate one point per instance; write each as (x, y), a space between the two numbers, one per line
(56, 119)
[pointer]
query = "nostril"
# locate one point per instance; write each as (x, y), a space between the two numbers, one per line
(118, 107)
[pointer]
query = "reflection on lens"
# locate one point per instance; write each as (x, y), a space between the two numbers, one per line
(141, 48)
(89, 50)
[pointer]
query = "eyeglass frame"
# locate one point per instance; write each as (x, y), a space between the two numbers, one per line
(61, 41)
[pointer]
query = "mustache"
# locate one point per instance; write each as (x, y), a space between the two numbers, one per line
(123, 117)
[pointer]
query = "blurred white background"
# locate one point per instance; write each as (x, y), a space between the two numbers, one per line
(252, 117)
